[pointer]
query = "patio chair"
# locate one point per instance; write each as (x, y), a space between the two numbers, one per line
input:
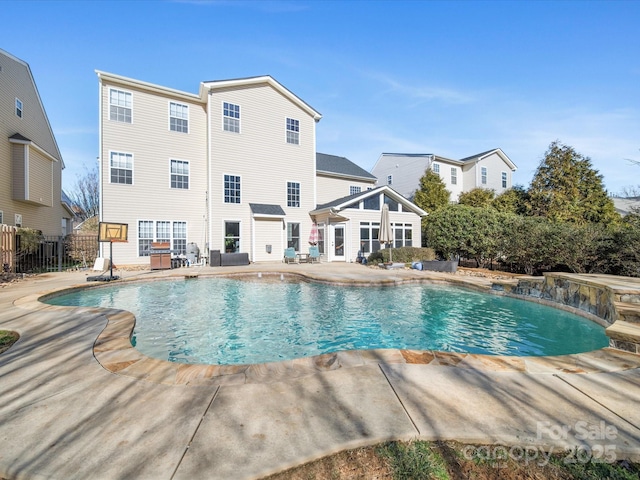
(314, 254)
(290, 255)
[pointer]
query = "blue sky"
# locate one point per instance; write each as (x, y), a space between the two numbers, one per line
(450, 78)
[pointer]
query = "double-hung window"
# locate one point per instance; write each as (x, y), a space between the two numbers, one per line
(293, 194)
(435, 167)
(231, 117)
(180, 238)
(163, 231)
(504, 179)
(179, 174)
(178, 117)
(454, 176)
(293, 236)
(483, 175)
(120, 105)
(18, 108)
(389, 179)
(231, 189)
(145, 237)
(293, 131)
(121, 168)
(353, 189)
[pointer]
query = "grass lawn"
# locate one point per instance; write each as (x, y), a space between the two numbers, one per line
(420, 460)
(7, 338)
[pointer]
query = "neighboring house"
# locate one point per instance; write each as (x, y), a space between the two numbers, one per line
(30, 161)
(231, 168)
(402, 171)
(351, 224)
(625, 206)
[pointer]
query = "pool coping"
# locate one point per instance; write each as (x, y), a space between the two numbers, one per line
(115, 353)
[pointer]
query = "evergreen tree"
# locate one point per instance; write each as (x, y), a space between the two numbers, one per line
(477, 197)
(514, 200)
(566, 188)
(432, 194)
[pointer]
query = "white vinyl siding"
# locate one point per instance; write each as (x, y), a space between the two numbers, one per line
(329, 188)
(120, 105)
(153, 146)
(178, 117)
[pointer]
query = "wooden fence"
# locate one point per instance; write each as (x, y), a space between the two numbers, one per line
(8, 248)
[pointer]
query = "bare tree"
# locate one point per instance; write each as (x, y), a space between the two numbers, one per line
(86, 193)
(631, 191)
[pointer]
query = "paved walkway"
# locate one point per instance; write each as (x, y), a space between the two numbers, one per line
(68, 413)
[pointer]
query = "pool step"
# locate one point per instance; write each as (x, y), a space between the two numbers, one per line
(626, 333)
(191, 275)
(628, 311)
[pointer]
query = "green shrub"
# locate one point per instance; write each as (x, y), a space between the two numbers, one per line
(401, 255)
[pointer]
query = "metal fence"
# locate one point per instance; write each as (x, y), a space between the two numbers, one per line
(44, 253)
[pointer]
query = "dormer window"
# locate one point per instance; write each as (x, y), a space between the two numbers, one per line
(18, 108)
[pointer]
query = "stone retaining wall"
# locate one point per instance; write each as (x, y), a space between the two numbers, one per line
(588, 295)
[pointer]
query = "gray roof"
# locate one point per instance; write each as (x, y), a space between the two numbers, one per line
(340, 166)
(477, 155)
(22, 138)
(266, 209)
(342, 200)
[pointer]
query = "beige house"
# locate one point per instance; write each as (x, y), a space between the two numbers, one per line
(232, 168)
(30, 161)
(492, 169)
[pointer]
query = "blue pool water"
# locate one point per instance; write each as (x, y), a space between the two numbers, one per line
(229, 321)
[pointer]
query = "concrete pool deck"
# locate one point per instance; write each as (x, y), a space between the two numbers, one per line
(68, 413)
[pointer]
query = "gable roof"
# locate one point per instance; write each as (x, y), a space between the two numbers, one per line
(342, 203)
(479, 156)
(206, 87)
(56, 155)
(253, 81)
(334, 165)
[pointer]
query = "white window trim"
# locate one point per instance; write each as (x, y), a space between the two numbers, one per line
(154, 232)
(454, 175)
(286, 130)
(133, 165)
(1, 217)
(222, 229)
(17, 220)
(239, 119)
(355, 187)
(109, 103)
(435, 167)
(188, 175)
(229, 203)
(21, 108)
(504, 176)
(389, 179)
(299, 194)
(484, 175)
(180, 118)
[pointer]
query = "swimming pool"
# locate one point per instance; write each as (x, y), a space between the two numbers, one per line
(229, 321)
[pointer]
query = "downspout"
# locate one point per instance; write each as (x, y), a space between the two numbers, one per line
(208, 214)
(100, 162)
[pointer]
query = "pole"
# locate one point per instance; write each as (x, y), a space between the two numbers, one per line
(111, 260)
